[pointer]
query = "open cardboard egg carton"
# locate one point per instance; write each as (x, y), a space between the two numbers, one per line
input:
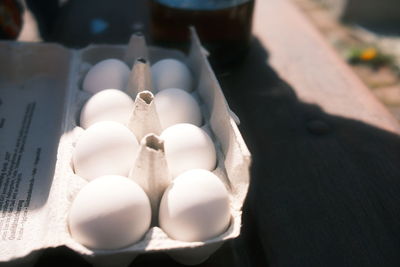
(42, 91)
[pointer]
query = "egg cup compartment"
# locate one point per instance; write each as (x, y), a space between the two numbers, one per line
(233, 157)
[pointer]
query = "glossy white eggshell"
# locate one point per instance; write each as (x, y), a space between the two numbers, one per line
(177, 106)
(195, 207)
(171, 73)
(107, 105)
(110, 212)
(188, 147)
(109, 73)
(105, 148)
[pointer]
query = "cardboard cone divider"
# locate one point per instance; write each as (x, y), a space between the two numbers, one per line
(136, 50)
(140, 78)
(144, 119)
(150, 169)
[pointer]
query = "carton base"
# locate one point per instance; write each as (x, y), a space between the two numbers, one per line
(194, 256)
(119, 260)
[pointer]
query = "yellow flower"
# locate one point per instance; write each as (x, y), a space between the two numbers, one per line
(368, 54)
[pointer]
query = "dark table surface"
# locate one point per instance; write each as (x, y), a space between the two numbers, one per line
(325, 178)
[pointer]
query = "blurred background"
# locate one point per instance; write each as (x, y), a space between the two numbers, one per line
(365, 33)
(75, 23)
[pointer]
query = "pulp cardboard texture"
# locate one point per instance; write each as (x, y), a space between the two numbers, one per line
(40, 101)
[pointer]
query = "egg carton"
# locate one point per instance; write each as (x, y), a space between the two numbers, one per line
(40, 89)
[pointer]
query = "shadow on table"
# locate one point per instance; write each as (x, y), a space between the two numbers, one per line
(325, 190)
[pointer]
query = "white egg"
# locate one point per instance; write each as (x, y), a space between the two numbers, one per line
(188, 147)
(195, 207)
(107, 105)
(177, 106)
(110, 212)
(171, 73)
(109, 73)
(105, 148)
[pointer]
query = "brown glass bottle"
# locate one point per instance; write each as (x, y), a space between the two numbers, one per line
(224, 27)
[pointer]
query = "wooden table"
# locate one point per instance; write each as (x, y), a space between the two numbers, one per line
(325, 186)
